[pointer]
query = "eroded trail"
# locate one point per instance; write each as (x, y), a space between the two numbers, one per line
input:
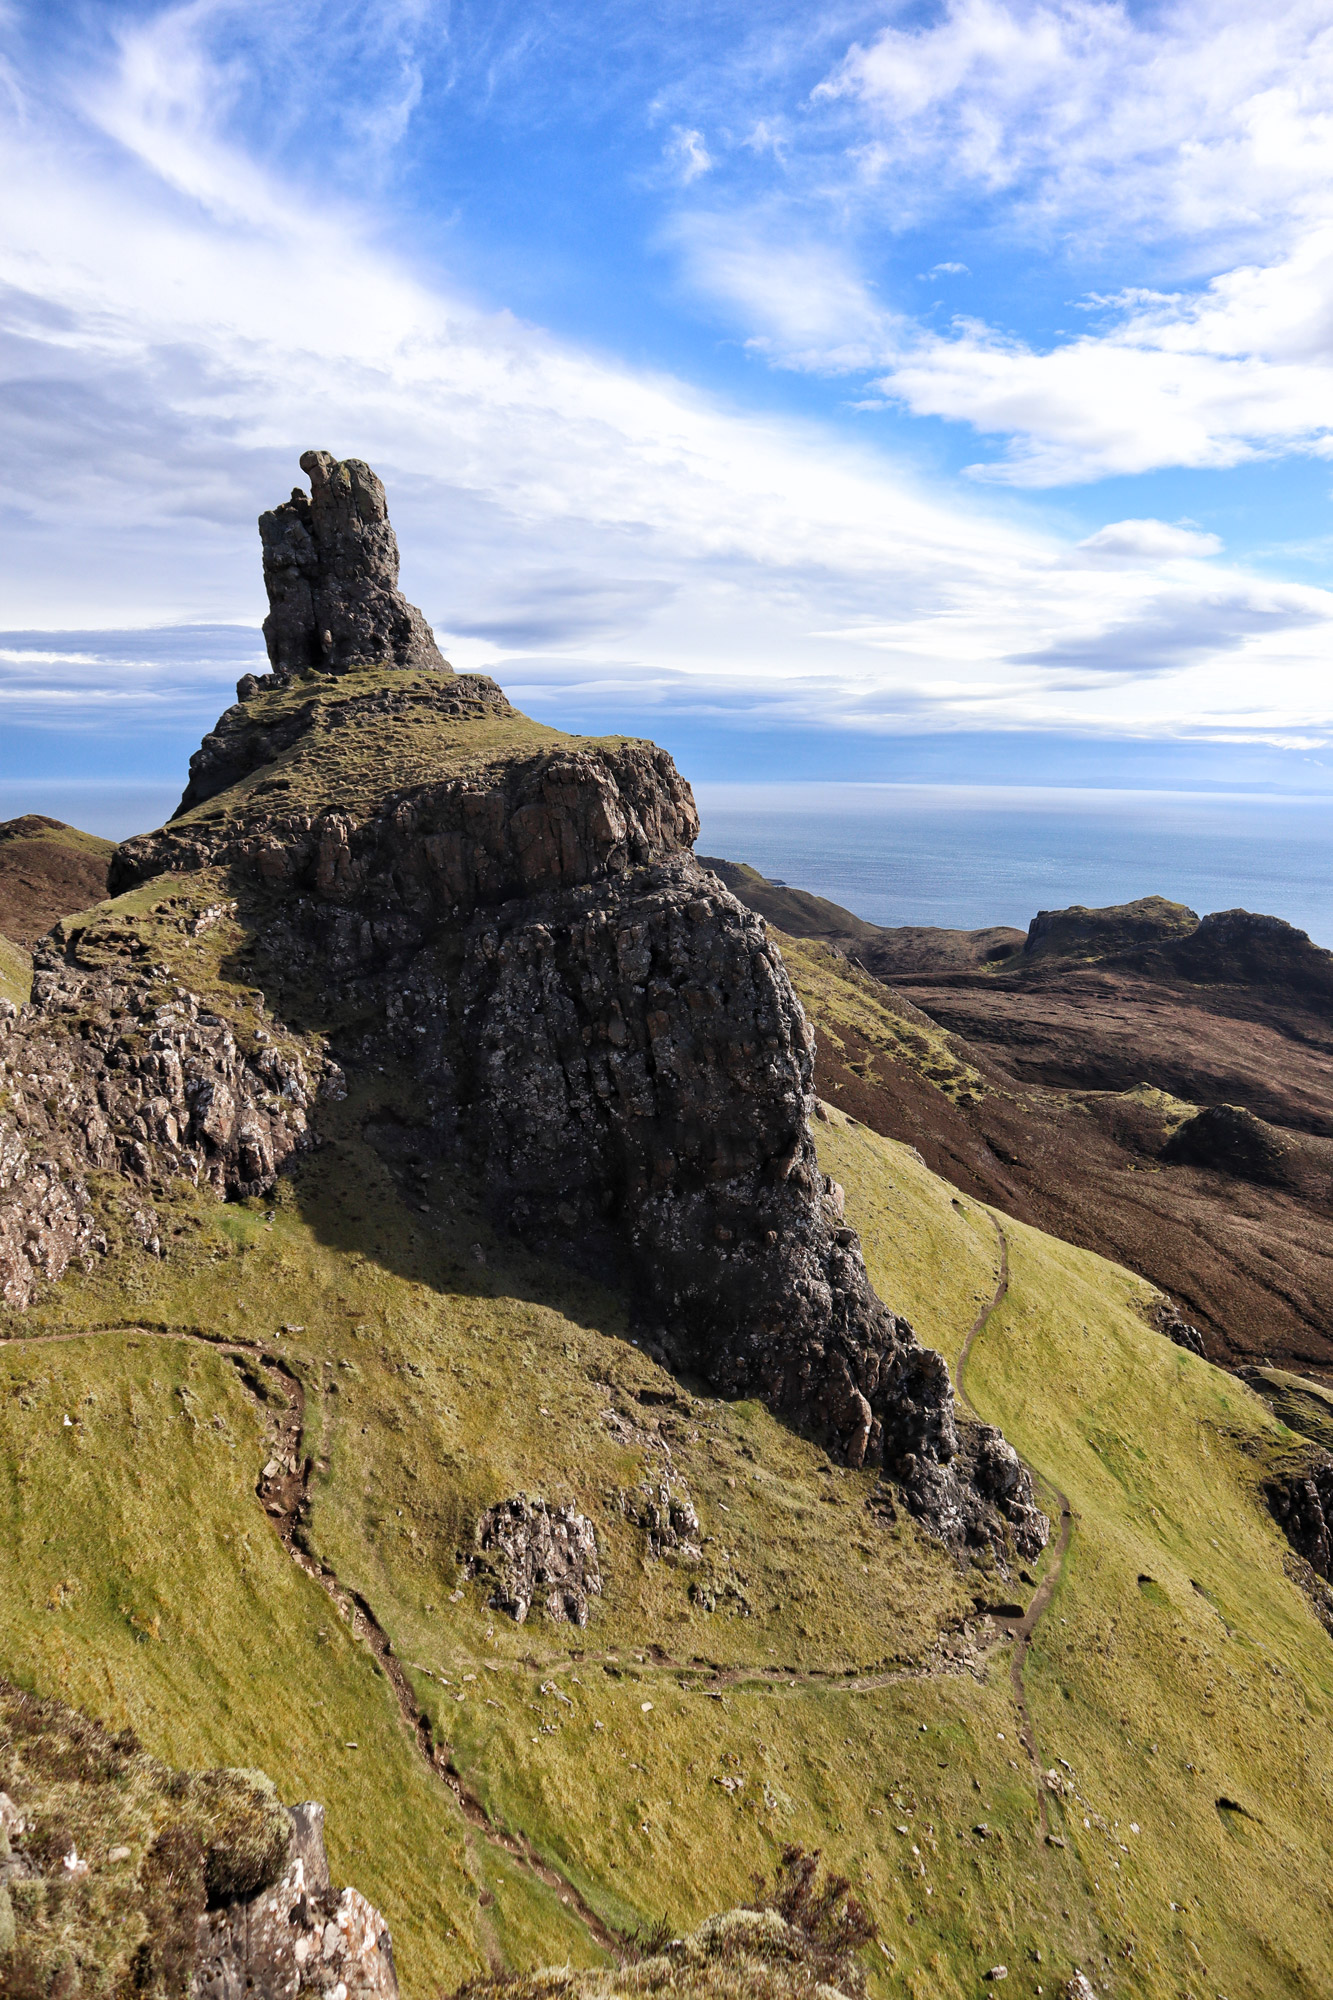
(1022, 1627)
(283, 1489)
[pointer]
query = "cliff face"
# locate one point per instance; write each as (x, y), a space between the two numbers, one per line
(596, 1031)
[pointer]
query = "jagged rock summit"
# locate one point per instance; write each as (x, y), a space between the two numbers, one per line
(331, 571)
(503, 933)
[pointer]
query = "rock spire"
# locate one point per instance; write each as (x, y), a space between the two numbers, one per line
(331, 572)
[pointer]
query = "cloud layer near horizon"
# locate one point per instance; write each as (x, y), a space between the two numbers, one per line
(179, 318)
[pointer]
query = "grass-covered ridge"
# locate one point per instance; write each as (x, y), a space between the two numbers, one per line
(369, 732)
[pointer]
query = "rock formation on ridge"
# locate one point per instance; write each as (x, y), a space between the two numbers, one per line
(331, 572)
(589, 1024)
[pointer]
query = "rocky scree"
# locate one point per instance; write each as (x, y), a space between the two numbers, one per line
(609, 1044)
(113, 1068)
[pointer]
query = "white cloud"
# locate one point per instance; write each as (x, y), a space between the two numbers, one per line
(1140, 541)
(1194, 117)
(1241, 370)
(180, 326)
(1193, 138)
(687, 153)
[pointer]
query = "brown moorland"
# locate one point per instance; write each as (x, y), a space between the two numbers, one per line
(1143, 1082)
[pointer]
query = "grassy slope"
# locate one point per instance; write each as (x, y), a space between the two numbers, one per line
(139, 1576)
(15, 972)
(1177, 1665)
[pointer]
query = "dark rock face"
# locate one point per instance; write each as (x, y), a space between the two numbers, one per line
(538, 1555)
(596, 1029)
(331, 572)
(1234, 1141)
(1168, 1321)
(296, 1936)
(610, 1042)
(1302, 1505)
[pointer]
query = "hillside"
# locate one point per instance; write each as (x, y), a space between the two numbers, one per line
(47, 869)
(445, 1368)
(1140, 1081)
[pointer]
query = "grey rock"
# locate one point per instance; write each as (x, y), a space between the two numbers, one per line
(331, 572)
(1301, 1503)
(1168, 1321)
(600, 1035)
(536, 1554)
(101, 1078)
(297, 1936)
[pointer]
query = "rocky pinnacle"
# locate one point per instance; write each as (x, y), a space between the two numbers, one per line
(331, 572)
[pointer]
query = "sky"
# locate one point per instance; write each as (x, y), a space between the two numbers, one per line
(885, 392)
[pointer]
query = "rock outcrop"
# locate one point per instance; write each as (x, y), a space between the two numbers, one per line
(538, 1555)
(594, 1028)
(121, 1875)
(116, 1068)
(331, 571)
(297, 1935)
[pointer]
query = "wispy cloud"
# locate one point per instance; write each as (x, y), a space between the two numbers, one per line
(687, 154)
(181, 319)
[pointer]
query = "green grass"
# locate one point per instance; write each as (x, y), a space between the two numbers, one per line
(350, 759)
(1178, 1664)
(141, 1580)
(15, 973)
(1302, 1405)
(839, 997)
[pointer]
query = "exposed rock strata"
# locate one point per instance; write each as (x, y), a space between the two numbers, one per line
(599, 1032)
(331, 572)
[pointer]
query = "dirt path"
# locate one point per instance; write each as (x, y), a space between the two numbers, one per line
(283, 1490)
(1021, 1627)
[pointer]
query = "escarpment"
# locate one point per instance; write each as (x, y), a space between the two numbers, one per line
(591, 1026)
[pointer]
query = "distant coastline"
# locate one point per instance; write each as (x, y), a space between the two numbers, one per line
(965, 856)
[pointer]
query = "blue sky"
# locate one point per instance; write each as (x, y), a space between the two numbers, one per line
(876, 391)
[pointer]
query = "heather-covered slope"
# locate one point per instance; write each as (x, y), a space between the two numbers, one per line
(47, 869)
(1161, 1102)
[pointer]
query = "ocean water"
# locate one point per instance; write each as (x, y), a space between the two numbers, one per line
(969, 855)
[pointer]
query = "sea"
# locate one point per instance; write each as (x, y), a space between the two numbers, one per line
(965, 856)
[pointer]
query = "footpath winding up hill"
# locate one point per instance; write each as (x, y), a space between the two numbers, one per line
(454, 1364)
